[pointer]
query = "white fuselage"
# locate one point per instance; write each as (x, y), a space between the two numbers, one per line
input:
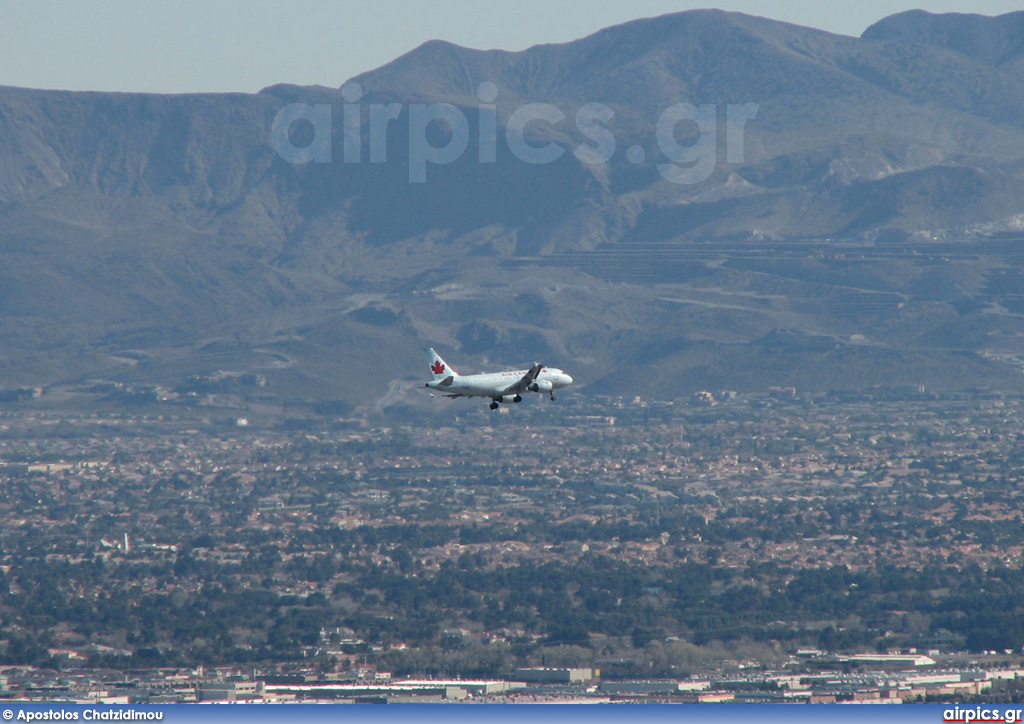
(495, 384)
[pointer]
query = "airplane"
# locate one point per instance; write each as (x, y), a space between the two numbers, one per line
(499, 386)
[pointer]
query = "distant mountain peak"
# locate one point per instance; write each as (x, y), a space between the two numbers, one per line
(990, 40)
(649, 62)
(154, 237)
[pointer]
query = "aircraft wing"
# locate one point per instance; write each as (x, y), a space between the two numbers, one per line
(525, 381)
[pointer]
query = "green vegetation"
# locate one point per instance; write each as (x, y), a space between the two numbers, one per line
(659, 619)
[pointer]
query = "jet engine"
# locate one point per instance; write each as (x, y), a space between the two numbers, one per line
(541, 386)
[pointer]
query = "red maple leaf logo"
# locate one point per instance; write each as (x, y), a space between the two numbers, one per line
(437, 368)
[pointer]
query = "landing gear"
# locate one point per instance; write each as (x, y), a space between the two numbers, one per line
(494, 405)
(552, 396)
(517, 398)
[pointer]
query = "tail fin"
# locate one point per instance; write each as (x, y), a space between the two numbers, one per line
(438, 366)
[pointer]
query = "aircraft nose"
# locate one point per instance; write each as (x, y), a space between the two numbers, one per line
(568, 379)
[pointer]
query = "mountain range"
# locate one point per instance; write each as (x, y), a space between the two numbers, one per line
(845, 212)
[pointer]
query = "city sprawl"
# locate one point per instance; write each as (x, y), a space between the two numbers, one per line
(781, 544)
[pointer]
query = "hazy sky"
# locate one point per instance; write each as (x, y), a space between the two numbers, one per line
(175, 46)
